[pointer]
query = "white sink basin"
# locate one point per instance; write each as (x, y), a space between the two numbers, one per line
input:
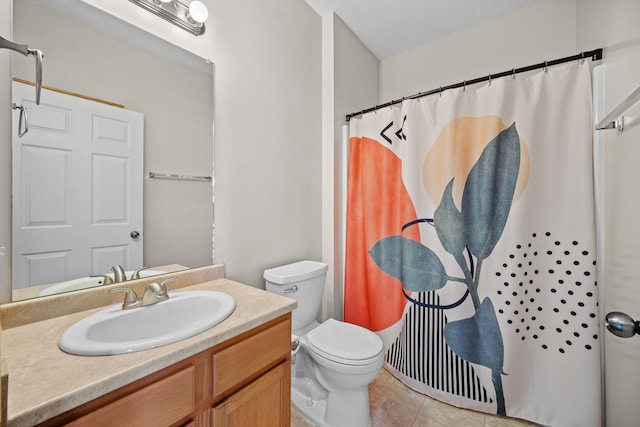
(116, 331)
(89, 282)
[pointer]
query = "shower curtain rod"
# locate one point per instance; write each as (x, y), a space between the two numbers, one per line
(595, 55)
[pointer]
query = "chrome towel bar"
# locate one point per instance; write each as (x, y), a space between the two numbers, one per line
(179, 176)
(24, 49)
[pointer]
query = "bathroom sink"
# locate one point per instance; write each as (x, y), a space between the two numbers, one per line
(89, 282)
(116, 331)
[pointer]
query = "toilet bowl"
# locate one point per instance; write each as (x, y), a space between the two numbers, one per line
(335, 361)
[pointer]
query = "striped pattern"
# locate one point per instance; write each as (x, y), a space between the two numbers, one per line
(421, 353)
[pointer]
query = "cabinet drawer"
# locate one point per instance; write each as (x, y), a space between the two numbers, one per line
(234, 365)
(161, 403)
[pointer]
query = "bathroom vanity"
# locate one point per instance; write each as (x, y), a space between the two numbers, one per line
(237, 371)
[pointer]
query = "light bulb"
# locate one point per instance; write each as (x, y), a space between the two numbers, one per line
(198, 11)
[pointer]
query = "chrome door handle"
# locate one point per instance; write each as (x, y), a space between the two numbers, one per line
(621, 324)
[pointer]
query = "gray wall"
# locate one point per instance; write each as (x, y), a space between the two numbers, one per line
(267, 139)
(542, 31)
(355, 80)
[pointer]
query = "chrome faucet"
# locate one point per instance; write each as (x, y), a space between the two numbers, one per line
(119, 275)
(153, 294)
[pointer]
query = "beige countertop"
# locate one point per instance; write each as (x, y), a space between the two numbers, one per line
(44, 381)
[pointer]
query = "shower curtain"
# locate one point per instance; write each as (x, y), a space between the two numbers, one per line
(470, 245)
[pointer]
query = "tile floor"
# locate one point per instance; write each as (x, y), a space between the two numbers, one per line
(395, 405)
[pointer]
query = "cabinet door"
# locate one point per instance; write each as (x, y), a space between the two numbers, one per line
(263, 403)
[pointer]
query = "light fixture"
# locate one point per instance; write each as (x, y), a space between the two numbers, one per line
(198, 13)
(190, 18)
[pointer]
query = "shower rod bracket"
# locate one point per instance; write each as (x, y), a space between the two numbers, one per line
(615, 119)
(619, 123)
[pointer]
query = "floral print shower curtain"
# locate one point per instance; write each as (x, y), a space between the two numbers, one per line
(471, 245)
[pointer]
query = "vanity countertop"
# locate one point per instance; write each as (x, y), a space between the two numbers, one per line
(45, 381)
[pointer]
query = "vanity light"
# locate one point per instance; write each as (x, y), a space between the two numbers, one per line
(198, 13)
(190, 18)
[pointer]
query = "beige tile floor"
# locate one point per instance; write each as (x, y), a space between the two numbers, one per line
(395, 405)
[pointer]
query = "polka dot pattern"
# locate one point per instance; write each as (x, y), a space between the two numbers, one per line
(548, 294)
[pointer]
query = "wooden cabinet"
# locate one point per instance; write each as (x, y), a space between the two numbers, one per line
(244, 381)
(256, 404)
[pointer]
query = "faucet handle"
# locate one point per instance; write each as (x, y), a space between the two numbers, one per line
(136, 275)
(131, 300)
(154, 293)
(163, 284)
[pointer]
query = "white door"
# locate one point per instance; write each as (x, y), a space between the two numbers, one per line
(622, 280)
(77, 188)
(617, 177)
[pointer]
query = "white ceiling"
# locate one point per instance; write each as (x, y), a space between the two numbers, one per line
(388, 27)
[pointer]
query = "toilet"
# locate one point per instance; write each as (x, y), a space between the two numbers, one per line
(332, 363)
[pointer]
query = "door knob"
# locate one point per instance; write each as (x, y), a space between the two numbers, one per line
(134, 234)
(621, 324)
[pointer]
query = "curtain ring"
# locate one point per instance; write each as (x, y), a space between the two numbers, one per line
(513, 73)
(546, 67)
(464, 85)
(489, 79)
(582, 58)
(440, 91)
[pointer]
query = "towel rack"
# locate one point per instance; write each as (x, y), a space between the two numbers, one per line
(183, 177)
(615, 119)
(24, 49)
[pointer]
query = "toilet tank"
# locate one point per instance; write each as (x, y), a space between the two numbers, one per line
(302, 281)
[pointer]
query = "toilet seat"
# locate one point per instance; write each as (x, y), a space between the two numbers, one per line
(345, 343)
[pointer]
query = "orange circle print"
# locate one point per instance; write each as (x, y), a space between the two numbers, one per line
(457, 149)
